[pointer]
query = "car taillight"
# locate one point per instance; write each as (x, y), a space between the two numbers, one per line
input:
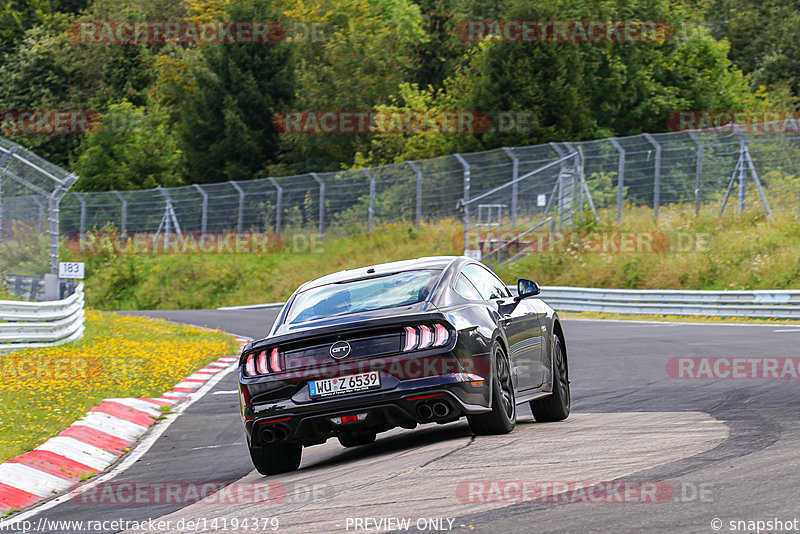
(411, 338)
(441, 335)
(262, 364)
(424, 337)
(250, 365)
(274, 361)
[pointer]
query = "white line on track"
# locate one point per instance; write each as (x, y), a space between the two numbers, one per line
(217, 446)
(226, 392)
(141, 449)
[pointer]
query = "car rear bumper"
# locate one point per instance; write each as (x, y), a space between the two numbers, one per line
(448, 397)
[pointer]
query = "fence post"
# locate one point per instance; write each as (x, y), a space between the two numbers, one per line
(52, 214)
(656, 174)
(3, 160)
(620, 175)
(748, 160)
(240, 221)
(321, 205)
(204, 208)
(418, 216)
(698, 198)
(82, 227)
(742, 177)
(278, 205)
(465, 200)
(124, 225)
(515, 185)
(371, 209)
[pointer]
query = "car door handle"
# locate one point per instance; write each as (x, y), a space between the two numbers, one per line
(505, 320)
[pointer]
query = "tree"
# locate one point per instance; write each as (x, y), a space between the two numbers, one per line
(131, 150)
(16, 17)
(366, 54)
(765, 42)
(227, 131)
(584, 90)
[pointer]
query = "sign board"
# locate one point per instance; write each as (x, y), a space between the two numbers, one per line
(541, 200)
(473, 254)
(70, 269)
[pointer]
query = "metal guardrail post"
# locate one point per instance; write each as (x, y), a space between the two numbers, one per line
(240, 218)
(316, 177)
(620, 175)
(515, 185)
(278, 205)
(418, 172)
(124, 225)
(204, 208)
(371, 209)
(656, 174)
(698, 197)
(465, 199)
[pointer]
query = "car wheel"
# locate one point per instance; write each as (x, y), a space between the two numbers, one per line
(555, 407)
(354, 440)
(503, 417)
(276, 458)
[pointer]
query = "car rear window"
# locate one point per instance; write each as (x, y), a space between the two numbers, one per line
(375, 293)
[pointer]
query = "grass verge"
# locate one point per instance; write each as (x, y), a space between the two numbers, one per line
(750, 251)
(43, 391)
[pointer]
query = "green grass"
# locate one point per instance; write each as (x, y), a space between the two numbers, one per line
(738, 252)
(42, 391)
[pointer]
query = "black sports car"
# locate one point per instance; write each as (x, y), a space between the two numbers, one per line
(429, 340)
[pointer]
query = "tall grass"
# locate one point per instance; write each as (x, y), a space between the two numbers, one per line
(749, 251)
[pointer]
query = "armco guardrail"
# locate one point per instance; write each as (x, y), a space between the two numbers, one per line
(767, 304)
(41, 324)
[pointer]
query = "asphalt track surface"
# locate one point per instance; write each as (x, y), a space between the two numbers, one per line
(729, 449)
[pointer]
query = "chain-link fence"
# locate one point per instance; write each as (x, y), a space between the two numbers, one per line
(704, 169)
(31, 189)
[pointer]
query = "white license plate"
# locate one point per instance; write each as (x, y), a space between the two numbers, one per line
(345, 384)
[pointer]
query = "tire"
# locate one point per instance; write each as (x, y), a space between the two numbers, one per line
(556, 406)
(503, 417)
(354, 440)
(276, 458)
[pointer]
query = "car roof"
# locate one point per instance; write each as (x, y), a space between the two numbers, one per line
(430, 262)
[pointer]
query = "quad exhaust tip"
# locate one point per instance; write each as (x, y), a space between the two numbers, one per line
(275, 434)
(441, 409)
(433, 411)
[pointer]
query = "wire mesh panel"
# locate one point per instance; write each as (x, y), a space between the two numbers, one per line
(704, 169)
(31, 189)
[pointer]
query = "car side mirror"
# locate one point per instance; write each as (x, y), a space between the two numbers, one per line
(527, 288)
